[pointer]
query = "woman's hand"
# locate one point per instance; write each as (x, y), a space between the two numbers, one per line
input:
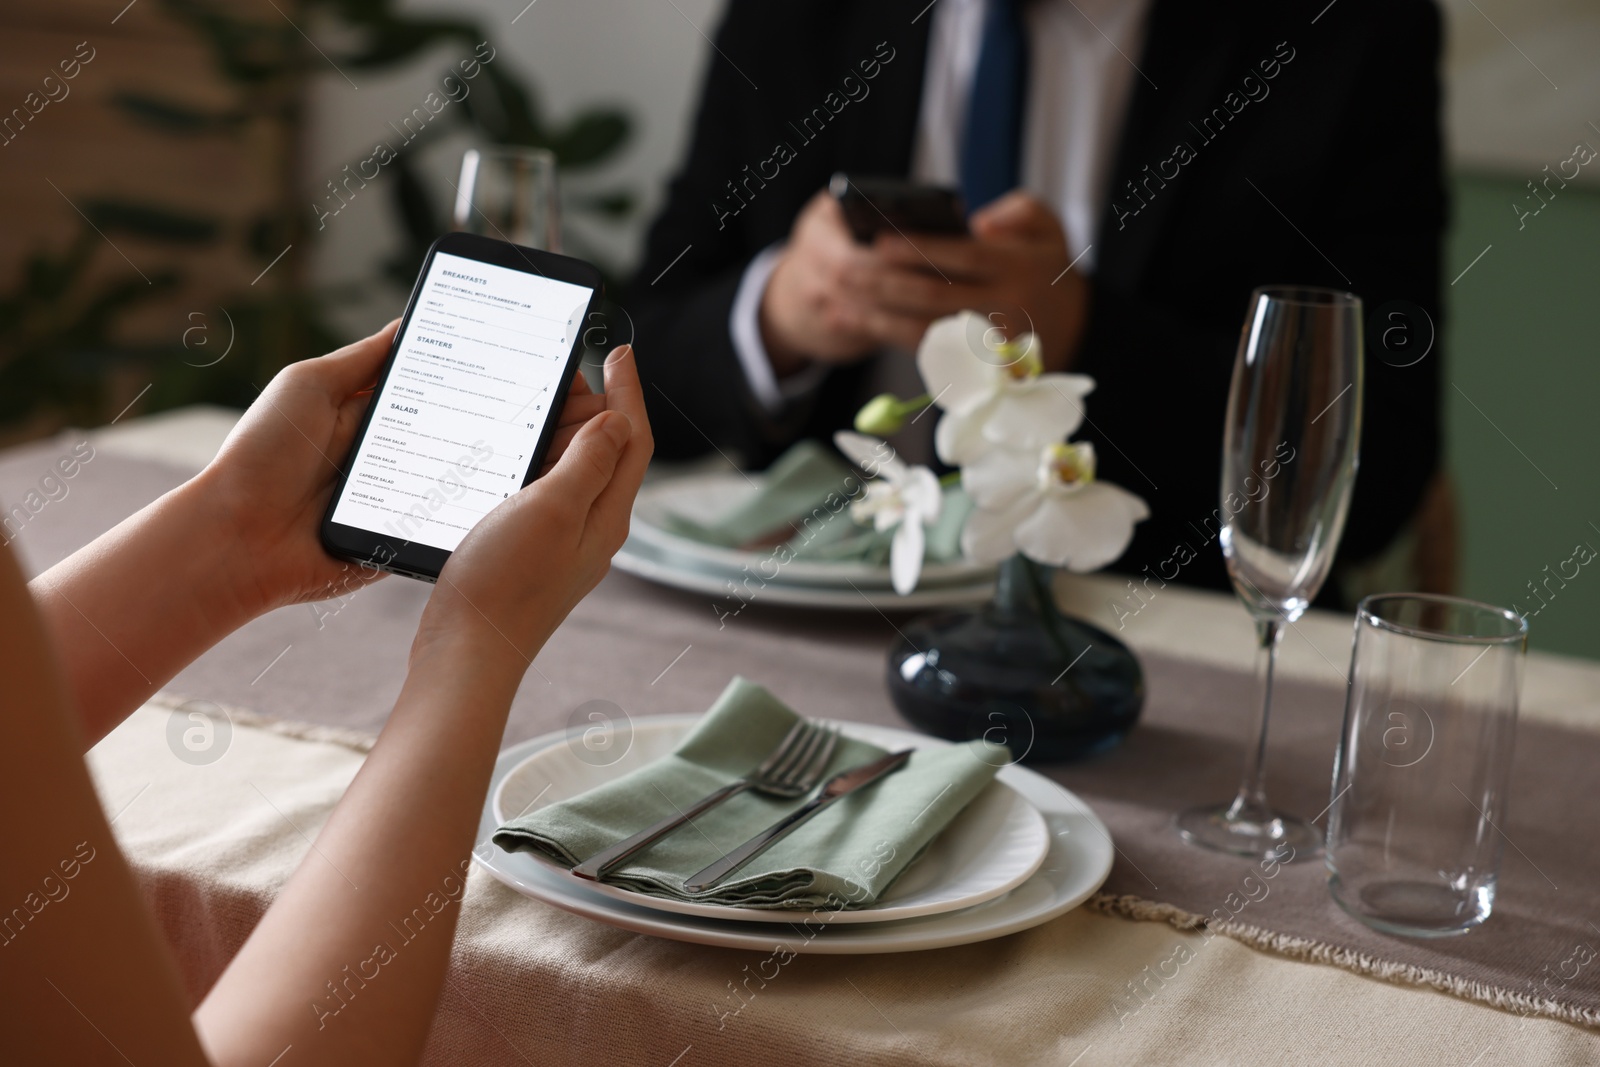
(273, 478)
(529, 561)
(242, 537)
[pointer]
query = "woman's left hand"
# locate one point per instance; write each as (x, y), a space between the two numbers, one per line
(271, 482)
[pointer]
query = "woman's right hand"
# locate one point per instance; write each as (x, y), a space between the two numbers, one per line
(519, 572)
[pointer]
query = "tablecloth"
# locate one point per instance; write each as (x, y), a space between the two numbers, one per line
(535, 984)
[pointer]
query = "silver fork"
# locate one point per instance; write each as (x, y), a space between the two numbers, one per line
(789, 771)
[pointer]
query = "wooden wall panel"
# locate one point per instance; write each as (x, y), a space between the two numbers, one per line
(84, 147)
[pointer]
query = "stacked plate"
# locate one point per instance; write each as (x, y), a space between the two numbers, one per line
(1024, 851)
(655, 552)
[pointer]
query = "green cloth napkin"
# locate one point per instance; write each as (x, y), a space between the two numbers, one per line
(804, 494)
(845, 856)
(798, 482)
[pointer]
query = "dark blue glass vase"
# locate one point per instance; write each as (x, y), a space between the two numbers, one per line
(1019, 672)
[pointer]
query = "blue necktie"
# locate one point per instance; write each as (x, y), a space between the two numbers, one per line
(991, 151)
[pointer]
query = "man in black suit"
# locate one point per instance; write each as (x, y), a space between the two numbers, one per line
(1243, 144)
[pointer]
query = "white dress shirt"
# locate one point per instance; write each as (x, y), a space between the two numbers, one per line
(1080, 77)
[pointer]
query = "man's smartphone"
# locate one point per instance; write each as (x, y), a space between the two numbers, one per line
(874, 204)
(465, 406)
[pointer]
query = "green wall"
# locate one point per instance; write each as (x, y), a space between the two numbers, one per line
(1520, 342)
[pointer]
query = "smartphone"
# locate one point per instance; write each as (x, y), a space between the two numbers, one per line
(465, 406)
(874, 204)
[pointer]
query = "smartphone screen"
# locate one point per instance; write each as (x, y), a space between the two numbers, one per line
(478, 370)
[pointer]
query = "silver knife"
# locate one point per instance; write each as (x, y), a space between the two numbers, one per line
(839, 785)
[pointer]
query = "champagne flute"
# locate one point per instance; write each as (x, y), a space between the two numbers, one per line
(509, 193)
(1289, 457)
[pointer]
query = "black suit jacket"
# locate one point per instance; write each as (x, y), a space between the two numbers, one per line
(1310, 155)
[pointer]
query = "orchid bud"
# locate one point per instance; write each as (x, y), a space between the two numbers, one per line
(885, 414)
(882, 416)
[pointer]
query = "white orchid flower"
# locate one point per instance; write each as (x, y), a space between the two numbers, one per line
(1046, 504)
(994, 392)
(898, 497)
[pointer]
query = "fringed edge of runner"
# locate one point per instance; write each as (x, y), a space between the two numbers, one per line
(1309, 950)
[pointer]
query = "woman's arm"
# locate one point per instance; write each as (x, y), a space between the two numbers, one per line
(142, 601)
(139, 604)
(85, 976)
(347, 964)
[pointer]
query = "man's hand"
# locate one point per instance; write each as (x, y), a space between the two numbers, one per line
(1013, 270)
(809, 310)
(834, 301)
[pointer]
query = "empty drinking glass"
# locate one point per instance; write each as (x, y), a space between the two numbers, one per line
(1289, 455)
(509, 193)
(1419, 784)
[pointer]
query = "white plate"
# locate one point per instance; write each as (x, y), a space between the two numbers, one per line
(648, 561)
(1077, 864)
(715, 493)
(992, 847)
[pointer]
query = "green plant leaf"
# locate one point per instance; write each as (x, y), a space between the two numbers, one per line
(591, 138)
(145, 220)
(48, 278)
(249, 52)
(506, 110)
(267, 234)
(175, 118)
(390, 41)
(613, 206)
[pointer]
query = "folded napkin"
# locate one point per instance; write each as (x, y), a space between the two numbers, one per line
(803, 503)
(845, 856)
